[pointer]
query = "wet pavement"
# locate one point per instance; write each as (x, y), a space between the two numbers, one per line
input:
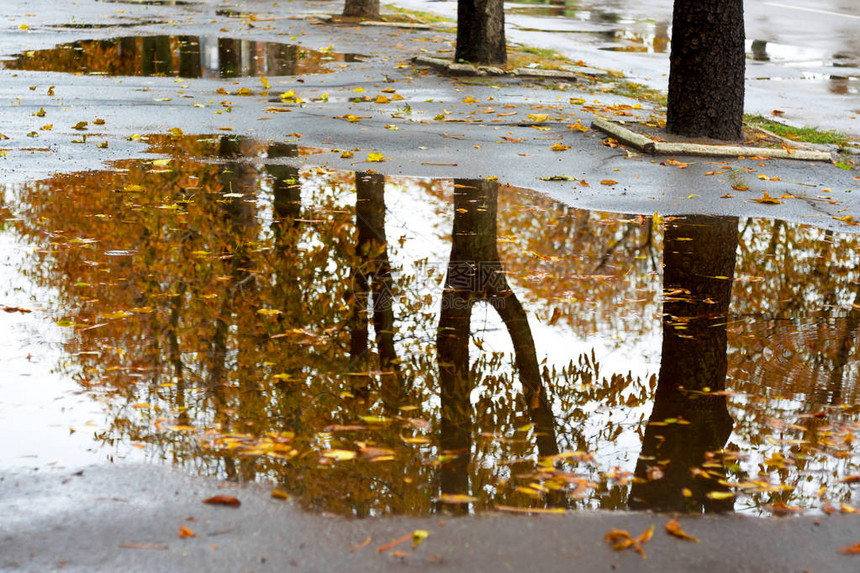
(258, 264)
(802, 56)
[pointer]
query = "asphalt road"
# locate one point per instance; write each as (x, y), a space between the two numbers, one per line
(54, 517)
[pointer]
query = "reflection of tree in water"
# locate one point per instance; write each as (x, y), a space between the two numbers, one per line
(183, 56)
(217, 293)
(475, 273)
(678, 469)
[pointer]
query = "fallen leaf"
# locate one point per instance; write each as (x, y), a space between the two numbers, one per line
(609, 182)
(768, 200)
(361, 545)
(394, 543)
(538, 117)
(223, 500)
(339, 455)
(81, 125)
(185, 532)
(418, 536)
(560, 147)
(455, 498)
(280, 494)
(674, 528)
(851, 549)
(381, 99)
(375, 158)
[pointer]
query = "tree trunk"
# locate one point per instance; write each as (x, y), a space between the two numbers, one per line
(368, 9)
(481, 32)
(706, 72)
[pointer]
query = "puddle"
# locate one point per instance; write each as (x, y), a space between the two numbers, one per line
(181, 56)
(380, 345)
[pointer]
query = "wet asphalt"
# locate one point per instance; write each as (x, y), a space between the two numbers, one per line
(124, 516)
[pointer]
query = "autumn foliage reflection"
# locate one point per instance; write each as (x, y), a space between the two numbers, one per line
(250, 318)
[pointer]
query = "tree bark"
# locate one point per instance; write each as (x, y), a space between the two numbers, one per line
(368, 9)
(706, 71)
(481, 32)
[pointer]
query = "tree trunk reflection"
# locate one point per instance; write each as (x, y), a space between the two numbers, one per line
(690, 420)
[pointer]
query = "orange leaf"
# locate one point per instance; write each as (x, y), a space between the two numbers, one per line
(223, 500)
(185, 532)
(674, 528)
(851, 549)
(609, 182)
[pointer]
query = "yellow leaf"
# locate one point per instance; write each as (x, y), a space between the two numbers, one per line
(609, 182)
(244, 92)
(47, 127)
(80, 126)
(392, 127)
(768, 200)
(718, 495)
(347, 154)
(175, 131)
(23, 27)
(375, 158)
(538, 117)
(358, 90)
(418, 536)
(470, 99)
(339, 455)
(265, 82)
(560, 147)
(455, 498)
(381, 99)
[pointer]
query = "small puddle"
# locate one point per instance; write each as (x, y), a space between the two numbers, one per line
(383, 345)
(179, 56)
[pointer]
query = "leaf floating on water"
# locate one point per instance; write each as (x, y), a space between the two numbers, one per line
(532, 510)
(718, 495)
(339, 455)
(674, 528)
(456, 498)
(223, 500)
(280, 494)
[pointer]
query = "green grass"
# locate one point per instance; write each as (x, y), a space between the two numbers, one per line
(423, 17)
(800, 134)
(638, 91)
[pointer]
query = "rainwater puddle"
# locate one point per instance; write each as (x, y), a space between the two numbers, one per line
(180, 56)
(383, 345)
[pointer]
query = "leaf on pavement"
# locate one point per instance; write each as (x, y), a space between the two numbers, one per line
(674, 528)
(766, 199)
(185, 532)
(851, 549)
(223, 500)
